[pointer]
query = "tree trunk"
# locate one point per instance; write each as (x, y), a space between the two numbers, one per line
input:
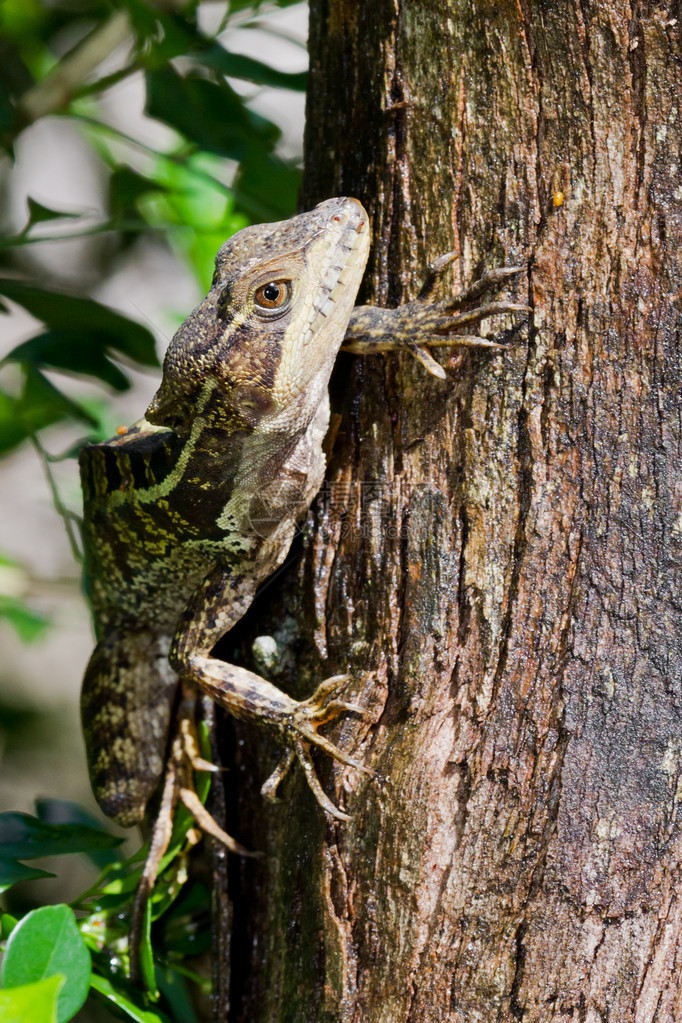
(496, 556)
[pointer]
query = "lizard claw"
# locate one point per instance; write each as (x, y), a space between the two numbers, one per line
(306, 762)
(207, 823)
(424, 324)
(440, 321)
(269, 787)
(489, 280)
(301, 753)
(302, 733)
(434, 275)
(320, 708)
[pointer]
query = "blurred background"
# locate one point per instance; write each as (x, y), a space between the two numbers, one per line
(135, 139)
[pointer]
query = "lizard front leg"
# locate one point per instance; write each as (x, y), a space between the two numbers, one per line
(215, 607)
(423, 324)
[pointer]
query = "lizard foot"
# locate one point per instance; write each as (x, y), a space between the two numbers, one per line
(301, 734)
(424, 324)
(178, 786)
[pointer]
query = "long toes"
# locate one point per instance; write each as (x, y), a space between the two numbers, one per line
(423, 356)
(270, 786)
(335, 708)
(309, 735)
(434, 275)
(464, 341)
(209, 825)
(199, 764)
(483, 312)
(322, 798)
(503, 272)
(330, 687)
(473, 341)
(491, 279)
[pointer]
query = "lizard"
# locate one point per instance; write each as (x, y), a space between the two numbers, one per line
(188, 510)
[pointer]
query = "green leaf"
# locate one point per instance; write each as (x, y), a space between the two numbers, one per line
(24, 837)
(32, 1003)
(63, 811)
(7, 122)
(62, 312)
(39, 405)
(12, 872)
(7, 925)
(192, 199)
(210, 114)
(146, 953)
(174, 989)
(162, 34)
(186, 925)
(244, 5)
(126, 186)
(126, 1001)
(28, 624)
(120, 880)
(12, 431)
(37, 213)
(74, 350)
(237, 65)
(21, 20)
(58, 812)
(46, 943)
(267, 188)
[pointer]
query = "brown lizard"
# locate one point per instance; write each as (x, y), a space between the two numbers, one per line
(193, 506)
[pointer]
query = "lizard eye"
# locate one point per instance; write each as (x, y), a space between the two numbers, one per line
(273, 295)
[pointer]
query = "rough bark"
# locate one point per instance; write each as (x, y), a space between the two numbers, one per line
(496, 557)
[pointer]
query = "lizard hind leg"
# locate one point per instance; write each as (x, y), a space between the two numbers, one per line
(184, 758)
(158, 845)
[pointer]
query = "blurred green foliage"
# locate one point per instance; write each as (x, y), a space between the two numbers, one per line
(221, 170)
(85, 944)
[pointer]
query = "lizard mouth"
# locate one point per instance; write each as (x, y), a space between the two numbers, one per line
(335, 253)
(342, 263)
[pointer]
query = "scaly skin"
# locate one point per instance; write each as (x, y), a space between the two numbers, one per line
(195, 505)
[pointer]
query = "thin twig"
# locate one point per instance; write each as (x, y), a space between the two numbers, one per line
(175, 158)
(67, 516)
(56, 90)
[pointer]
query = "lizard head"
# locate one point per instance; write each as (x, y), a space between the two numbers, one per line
(260, 348)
